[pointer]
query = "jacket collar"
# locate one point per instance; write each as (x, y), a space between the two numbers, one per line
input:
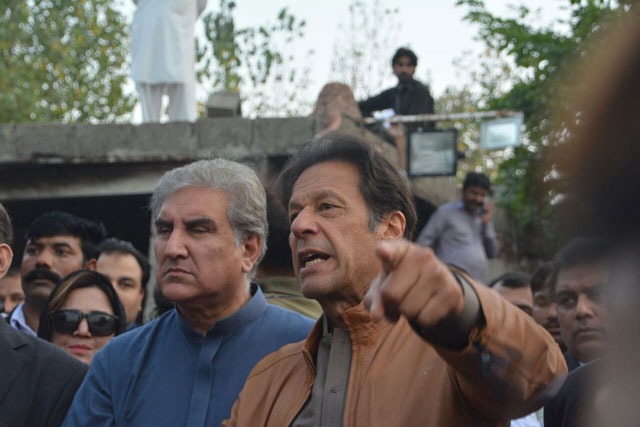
(362, 330)
(250, 311)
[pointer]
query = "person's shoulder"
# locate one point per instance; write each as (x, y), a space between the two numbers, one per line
(284, 358)
(281, 314)
(419, 85)
(46, 361)
(449, 207)
(131, 339)
(38, 348)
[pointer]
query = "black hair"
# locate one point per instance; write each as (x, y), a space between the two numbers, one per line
(278, 253)
(476, 179)
(6, 230)
(512, 280)
(56, 223)
(382, 187)
(77, 280)
(113, 245)
(580, 251)
(540, 276)
(404, 52)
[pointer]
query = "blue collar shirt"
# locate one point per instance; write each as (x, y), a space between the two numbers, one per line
(166, 373)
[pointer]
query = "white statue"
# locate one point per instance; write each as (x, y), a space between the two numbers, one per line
(163, 56)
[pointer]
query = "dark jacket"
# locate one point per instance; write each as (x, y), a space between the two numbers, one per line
(410, 99)
(37, 382)
(574, 403)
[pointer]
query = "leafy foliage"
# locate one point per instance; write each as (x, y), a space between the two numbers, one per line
(63, 61)
(257, 60)
(543, 58)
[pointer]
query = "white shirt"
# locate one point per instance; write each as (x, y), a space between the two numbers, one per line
(162, 40)
(18, 321)
(530, 420)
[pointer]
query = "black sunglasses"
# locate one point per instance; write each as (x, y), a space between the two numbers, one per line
(101, 324)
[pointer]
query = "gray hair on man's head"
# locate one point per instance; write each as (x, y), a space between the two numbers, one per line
(247, 211)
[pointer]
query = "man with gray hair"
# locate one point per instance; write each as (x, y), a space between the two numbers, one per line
(188, 366)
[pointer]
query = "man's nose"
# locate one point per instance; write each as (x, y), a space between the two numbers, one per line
(584, 307)
(304, 224)
(44, 259)
(553, 311)
(175, 245)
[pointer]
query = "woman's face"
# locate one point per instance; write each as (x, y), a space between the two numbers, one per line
(81, 344)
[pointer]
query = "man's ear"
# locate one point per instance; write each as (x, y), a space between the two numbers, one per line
(251, 247)
(392, 226)
(91, 264)
(6, 256)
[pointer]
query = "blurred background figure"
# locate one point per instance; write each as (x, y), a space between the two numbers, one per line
(11, 293)
(515, 287)
(545, 311)
(601, 165)
(461, 233)
(408, 97)
(275, 272)
(577, 284)
(82, 314)
(163, 57)
(129, 271)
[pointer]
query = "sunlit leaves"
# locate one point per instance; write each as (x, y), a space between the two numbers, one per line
(63, 61)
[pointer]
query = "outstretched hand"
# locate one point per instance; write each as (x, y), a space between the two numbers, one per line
(413, 283)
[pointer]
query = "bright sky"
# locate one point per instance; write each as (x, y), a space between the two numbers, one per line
(434, 29)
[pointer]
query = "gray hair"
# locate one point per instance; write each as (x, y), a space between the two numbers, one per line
(247, 210)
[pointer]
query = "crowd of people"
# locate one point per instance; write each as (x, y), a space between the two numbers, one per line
(311, 304)
(392, 316)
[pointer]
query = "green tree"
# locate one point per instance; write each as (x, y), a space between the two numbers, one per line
(257, 62)
(543, 58)
(63, 61)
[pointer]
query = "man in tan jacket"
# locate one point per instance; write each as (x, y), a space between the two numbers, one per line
(404, 340)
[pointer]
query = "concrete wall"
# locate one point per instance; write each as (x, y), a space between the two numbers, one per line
(51, 160)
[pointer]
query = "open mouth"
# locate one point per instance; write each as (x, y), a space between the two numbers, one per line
(313, 258)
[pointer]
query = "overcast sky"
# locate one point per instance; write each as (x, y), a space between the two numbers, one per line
(434, 29)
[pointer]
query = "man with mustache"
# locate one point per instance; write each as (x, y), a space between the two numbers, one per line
(408, 97)
(577, 284)
(58, 243)
(187, 367)
(38, 379)
(461, 233)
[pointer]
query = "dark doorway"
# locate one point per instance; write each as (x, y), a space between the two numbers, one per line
(125, 217)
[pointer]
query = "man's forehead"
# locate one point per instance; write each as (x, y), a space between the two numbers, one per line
(57, 239)
(194, 202)
(476, 190)
(326, 177)
(581, 276)
(404, 60)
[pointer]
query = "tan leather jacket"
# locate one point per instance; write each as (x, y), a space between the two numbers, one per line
(509, 369)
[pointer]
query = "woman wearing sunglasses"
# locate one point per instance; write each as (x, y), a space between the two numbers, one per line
(82, 314)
